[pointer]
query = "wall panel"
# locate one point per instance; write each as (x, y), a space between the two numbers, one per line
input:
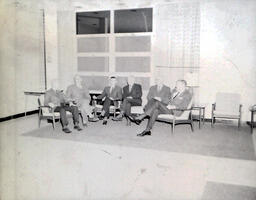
(132, 64)
(92, 44)
(133, 44)
(93, 64)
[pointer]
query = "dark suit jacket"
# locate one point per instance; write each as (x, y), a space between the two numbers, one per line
(56, 97)
(116, 93)
(164, 93)
(135, 93)
(180, 101)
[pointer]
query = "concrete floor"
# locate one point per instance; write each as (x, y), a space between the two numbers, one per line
(35, 168)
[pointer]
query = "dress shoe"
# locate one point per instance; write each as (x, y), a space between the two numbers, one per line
(132, 119)
(93, 119)
(137, 121)
(104, 122)
(66, 130)
(118, 118)
(77, 128)
(101, 117)
(144, 133)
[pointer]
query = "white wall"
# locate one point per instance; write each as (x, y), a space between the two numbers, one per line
(228, 49)
(7, 61)
(21, 53)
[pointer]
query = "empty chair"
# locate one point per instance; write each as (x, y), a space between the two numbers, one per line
(227, 106)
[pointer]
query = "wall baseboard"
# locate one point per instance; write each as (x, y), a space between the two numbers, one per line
(18, 115)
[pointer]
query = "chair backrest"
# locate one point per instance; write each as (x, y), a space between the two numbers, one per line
(228, 102)
(144, 97)
(185, 115)
(39, 102)
(43, 110)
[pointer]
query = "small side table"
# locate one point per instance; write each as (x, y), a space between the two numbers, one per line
(253, 111)
(31, 93)
(201, 110)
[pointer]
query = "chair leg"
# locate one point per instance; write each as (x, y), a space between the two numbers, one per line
(192, 126)
(39, 122)
(53, 123)
(239, 123)
(212, 122)
(39, 119)
(173, 126)
(128, 122)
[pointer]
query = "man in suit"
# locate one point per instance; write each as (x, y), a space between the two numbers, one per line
(180, 99)
(132, 93)
(159, 92)
(79, 95)
(111, 93)
(56, 100)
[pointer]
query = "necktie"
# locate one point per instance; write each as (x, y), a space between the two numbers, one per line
(176, 95)
(130, 88)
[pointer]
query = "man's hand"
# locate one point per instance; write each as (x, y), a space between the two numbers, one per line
(72, 103)
(171, 107)
(51, 105)
(129, 97)
(158, 98)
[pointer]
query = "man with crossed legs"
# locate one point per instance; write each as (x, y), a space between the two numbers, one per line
(180, 99)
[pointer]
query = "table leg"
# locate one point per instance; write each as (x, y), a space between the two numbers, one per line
(252, 115)
(203, 114)
(200, 117)
(26, 102)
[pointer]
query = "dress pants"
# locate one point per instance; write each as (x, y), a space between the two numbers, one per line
(156, 109)
(150, 104)
(106, 105)
(128, 103)
(63, 116)
(85, 108)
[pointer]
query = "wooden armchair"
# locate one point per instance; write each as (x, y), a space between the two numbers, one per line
(185, 118)
(113, 109)
(47, 113)
(227, 106)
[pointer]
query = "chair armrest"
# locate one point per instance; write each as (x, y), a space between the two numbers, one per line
(118, 102)
(50, 108)
(44, 106)
(240, 109)
(96, 101)
(179, 109)
(213, 106)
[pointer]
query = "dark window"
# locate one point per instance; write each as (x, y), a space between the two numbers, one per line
(93, 22)
(133, 20)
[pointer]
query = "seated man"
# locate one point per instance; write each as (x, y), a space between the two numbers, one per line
(110, 93)
(180, 99)
(79, 95)
(57, 101)
(159, 92)
(132, 93)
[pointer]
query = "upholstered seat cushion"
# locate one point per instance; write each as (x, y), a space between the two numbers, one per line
(137, 109)
(171, 117)
(166, 116)
(223, 114)
(100, 107)
(47, 113)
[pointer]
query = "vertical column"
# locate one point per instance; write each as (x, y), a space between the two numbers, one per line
(51, 41)
(112, 44)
